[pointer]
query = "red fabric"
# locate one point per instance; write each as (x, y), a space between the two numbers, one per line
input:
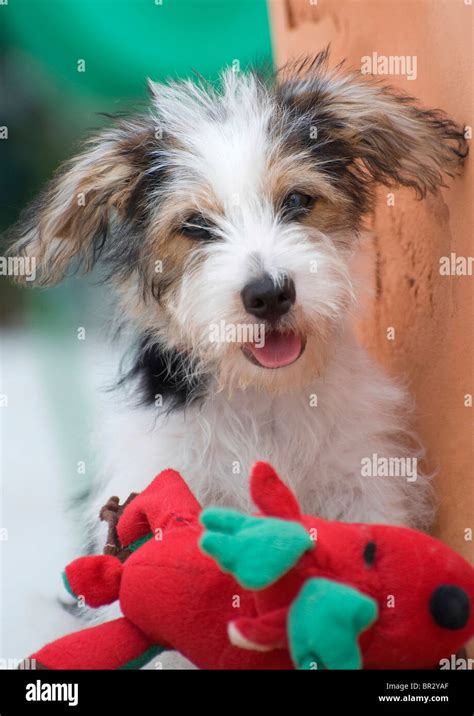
(166, 502)
(271, 495)
(188, 602)
(96, 579)
(173, 594)
(106, 646)
(267, 630)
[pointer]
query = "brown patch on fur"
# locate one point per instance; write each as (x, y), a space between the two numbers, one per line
(287, 174)
(192, 198)
(333, 212)
(177, 252)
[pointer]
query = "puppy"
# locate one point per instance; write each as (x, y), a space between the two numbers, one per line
(225, 219)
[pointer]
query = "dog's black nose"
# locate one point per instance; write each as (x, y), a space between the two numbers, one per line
(449, 606)
(265, 299)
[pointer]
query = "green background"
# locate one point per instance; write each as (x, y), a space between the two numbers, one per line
(124, 41)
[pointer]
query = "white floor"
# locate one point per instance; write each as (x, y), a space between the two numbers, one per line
(50, 383)
(53, 385)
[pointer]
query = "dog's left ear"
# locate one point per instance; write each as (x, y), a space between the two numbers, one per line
(360, 121)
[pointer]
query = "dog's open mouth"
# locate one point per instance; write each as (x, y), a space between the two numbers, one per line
(277, 351)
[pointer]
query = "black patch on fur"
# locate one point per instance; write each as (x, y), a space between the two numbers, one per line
(157, 371)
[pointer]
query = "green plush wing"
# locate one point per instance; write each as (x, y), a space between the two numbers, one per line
(256, 550)
(324, 624)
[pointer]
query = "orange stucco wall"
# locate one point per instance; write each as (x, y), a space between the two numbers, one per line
(432, 314)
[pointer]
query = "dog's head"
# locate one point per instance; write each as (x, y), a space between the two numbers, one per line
(226, 217)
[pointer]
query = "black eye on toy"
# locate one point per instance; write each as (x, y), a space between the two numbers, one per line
(449, 606)
(370, 551)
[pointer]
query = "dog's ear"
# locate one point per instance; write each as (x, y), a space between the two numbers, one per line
(359, 121)
(70, 219)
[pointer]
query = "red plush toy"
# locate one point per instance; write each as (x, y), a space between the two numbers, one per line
(274, 591)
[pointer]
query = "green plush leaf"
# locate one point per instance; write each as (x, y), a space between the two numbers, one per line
(67, 586)
(324, 624)
(256, 550)
(144, 658)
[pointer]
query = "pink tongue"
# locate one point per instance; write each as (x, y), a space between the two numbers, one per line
(279, 349)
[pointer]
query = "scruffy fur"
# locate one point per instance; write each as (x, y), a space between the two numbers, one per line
(231, 155)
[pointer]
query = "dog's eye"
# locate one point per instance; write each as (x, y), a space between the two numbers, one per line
(196, 227)
(297, 204)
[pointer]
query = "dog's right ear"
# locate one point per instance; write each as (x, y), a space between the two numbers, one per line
(70, 219)
(366, 124)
